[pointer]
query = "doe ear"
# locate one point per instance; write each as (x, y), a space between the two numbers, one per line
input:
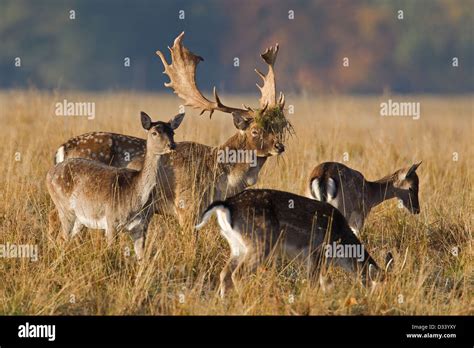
(146, 120)
(176, 121)
(413, 168)
(241, 120)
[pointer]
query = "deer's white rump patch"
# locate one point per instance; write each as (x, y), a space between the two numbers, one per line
(59, 157)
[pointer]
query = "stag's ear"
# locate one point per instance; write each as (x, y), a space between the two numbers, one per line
(146, 120)
(176, 121)
(241, 120)
(412, 169)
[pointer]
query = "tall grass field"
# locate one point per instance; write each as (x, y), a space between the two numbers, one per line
(433, 269)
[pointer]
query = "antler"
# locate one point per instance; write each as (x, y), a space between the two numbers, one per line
(182, 74)
(268, 89)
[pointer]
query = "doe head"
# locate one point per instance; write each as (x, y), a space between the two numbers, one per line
(160, 137)
(407, 183)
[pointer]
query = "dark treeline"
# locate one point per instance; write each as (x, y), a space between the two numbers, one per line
(410, 55)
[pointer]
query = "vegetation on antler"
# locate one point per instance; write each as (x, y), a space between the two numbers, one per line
(273, 120)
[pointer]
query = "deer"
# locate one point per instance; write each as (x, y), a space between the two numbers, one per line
(257, 223)
(194, 175)
(348, 190)
(91, 194)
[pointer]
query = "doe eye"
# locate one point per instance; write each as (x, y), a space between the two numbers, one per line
(154, 134)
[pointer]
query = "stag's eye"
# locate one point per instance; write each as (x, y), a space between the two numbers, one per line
(154, 134)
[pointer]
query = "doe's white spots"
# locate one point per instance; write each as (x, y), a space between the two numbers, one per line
(181, 14)
(345, 156)
(455, 62)
(181, 109)
(400, 298)
(72, 298)
(126, 62)
(236, 62)
(17, 62)
(72, 14)
(345, 62)
(291, 14)
(291, 109)
(400, 14)
(455, 157)
(17, 156)
(455, 251)
(291, 203)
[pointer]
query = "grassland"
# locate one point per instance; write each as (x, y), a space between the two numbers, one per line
(180, 275)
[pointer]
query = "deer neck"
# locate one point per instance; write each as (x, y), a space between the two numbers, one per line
(381, 190)
(240, 174)
(146, 177)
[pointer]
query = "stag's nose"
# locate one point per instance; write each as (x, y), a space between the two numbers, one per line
(172, 146)
(279, 147)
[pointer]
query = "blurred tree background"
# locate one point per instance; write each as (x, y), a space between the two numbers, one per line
(409, 55)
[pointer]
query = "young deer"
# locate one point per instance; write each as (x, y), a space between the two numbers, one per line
(92, 194)
(256, 222)
(193, 176)
(347, 190)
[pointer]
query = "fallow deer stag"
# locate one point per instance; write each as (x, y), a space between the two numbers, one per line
(348, 190)
(92, 194)
(257, 222)
(193, 176)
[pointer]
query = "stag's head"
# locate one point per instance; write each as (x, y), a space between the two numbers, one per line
(264, 129)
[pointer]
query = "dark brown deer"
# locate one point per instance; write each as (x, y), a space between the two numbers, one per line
(348, 190)
(193, 175)
(256, 223)
(91, 194)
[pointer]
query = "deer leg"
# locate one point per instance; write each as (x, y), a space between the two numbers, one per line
(110, 234)
(138, 235)
(53, 221)
(357, 260)
(76, 228)
(226, 279)
(317, 271)
(67, 220)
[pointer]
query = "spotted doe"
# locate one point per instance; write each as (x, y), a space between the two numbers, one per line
(91, 194)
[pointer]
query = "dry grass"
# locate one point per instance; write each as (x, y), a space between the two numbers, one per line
(180, 275)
